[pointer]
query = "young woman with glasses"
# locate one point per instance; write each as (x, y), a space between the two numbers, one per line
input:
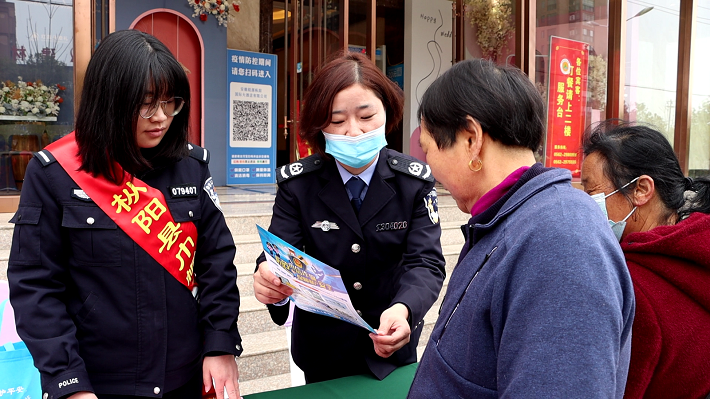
(121, 268)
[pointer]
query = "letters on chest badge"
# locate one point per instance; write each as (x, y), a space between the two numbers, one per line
(392, 226)
(183, 191)
(325, 225)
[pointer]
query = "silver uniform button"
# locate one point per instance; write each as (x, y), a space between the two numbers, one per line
(359, 313)
(45, 396)
(357, 286)
(355, 248)
(239, 347)
(156, 390)
(90, 220)
(190, 214)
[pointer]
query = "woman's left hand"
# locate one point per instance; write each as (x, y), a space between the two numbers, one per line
(393, 332)
(223, 370)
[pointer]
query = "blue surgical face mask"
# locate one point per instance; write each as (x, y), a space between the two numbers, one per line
(357, 151)
(616, 227)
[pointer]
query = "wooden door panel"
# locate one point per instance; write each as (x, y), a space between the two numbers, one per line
(183, 40)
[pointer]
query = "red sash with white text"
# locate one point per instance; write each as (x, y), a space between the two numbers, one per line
(139, 210)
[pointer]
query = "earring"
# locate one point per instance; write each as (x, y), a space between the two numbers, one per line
(479, 166)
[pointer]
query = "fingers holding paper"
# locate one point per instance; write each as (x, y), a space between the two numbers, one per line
(268, 288)
(393, 332)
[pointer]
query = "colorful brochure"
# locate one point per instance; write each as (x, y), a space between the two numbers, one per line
(317, 287)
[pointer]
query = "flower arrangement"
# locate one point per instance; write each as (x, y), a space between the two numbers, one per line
(219, 8)
(494, 22)
(29, 98)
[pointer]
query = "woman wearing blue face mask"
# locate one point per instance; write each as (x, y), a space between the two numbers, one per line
(617, 227)
(368, 211)
(661, 218)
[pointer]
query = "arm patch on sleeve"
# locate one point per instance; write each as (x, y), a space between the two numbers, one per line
(431, 203)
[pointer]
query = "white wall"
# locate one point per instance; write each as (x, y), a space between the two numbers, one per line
(427, 55)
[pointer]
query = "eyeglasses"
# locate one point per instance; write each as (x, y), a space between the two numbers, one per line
(170, 107)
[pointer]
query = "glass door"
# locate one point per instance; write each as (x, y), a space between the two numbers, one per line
(305, 34)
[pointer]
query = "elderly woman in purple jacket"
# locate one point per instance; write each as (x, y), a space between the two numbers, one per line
(540, 304)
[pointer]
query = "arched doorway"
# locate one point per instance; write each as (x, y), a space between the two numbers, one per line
(183, 39)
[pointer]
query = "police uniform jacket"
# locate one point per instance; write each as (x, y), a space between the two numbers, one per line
(388, 253)
(97, 312)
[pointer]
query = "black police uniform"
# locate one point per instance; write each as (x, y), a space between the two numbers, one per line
(390, 252)
(97, 312)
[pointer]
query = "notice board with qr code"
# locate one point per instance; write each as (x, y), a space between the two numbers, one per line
(251, 120)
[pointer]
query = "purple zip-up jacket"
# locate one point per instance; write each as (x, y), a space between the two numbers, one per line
(540, 304)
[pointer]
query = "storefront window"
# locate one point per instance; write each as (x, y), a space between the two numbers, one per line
(36, 75)
(652, 63)
(699, 161)
(571, 74)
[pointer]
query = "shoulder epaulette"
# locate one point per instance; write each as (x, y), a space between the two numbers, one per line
(410, 166)
(199, 153)
(45, 157)
(301, 167)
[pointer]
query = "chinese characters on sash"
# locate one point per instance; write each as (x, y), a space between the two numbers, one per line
(139, 210)
(164, 231)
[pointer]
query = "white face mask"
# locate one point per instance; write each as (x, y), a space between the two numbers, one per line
(616, 227)
(356, 151)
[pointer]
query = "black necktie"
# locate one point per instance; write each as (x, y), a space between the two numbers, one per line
(355, 186)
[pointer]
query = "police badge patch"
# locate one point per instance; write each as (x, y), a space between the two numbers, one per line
(431, 202)
(210, 190)
(80, 195)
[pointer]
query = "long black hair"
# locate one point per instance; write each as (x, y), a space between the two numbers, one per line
(633, 149)
(127, 66)
(502, 99)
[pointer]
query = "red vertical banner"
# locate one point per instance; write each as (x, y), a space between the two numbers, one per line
(566, 103)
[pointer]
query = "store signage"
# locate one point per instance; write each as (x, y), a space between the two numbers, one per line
(566, 103)
(251, 120)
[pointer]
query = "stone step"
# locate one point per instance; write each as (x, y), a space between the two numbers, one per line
(249, 245)
(266, 356)
(266, 353)
(254, 316)
(282, 381)
(241, 222)
(245, 271)
(265, 363)
(272, 383)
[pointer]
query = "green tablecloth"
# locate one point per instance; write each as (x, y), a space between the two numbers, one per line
(395, 386)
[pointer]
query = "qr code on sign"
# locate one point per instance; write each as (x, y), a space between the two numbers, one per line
(250, 121)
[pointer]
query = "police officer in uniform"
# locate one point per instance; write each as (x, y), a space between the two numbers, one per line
(100, 315)
(366, 210)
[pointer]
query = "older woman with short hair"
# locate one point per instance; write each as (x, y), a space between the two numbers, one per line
(540, 303)
(661, 218)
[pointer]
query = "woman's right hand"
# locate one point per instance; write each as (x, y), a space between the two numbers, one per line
(268, 288)
(83, 395)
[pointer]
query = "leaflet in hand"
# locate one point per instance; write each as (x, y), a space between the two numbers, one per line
(317, 287)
